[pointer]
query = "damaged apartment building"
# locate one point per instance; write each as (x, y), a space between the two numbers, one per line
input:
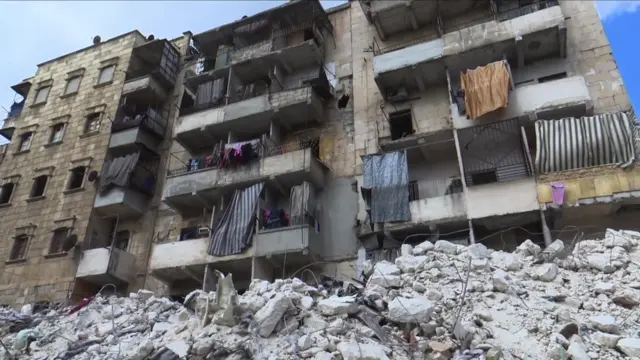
(506, 120)
(301, 141)
(79, 175)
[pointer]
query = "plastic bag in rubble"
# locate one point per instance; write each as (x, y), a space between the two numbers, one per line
(226, 301)
(24, 338)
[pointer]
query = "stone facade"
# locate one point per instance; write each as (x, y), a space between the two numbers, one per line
(346, 133)
(40, 274)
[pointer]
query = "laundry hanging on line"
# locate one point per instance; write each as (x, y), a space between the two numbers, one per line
(486, 88)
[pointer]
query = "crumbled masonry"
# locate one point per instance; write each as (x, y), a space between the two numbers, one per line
(438, 301)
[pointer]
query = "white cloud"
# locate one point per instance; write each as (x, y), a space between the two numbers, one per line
(609, 8)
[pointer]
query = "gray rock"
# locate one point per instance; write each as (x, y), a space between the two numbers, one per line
(410, 263)
(500, 282)
(604, 287)
(361, 351)
(629, 346)
(478, 251)
(605, 323)
(577, 351)
(546, 272)
(446, 247)
(423, 248)
(386, 268)
(528, 248)
(414, 310)
(268, 317)
(386, 281)
(337, 305)
(605, 340)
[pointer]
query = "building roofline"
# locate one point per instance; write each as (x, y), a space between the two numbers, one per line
(89, 47)
(258, 16)
(338, 8)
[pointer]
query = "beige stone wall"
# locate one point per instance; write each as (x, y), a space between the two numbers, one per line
(39, 276)
(590, 54)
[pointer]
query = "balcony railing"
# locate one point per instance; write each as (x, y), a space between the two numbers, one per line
(16, 109)
(182, 162)
(143, 178)
(500, 15)
(437, 188)
(149, 118)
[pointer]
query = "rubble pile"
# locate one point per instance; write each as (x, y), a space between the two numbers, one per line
(437, 301)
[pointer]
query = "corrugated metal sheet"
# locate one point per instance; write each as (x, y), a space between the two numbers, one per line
(572, 143)
(234, 232)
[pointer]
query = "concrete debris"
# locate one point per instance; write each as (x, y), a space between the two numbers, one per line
(438, 301)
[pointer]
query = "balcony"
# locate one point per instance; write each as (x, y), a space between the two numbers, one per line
(9, 125)
(532, 36)
(106, 266)
(127, 200)
(297, 241)
(132, 128)
(152, 72)
(554, 99)
(187, 259)
(187, 191)
(291, 107)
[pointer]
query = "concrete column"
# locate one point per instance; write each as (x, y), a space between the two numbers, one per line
(472, 235)
(231, 138)
(546, 233)
(261, 269)
(459, 153)
(210, 279)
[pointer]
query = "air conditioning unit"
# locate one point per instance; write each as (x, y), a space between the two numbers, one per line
(397, 95)
(204, 232)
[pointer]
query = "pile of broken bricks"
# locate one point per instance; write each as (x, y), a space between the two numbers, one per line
(436, 301)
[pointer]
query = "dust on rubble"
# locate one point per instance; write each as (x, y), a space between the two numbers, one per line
(437, 301)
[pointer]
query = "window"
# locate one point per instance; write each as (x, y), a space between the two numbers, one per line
(76, 178)
(121, 240)
(414, 194)
(42, 94)
(401, 124)
(6, 191)
(189, 233)
(92, 122)
(25, 141)
(560, 75)
(19, 248)
(57, 240)
(106, 74)
(39, 186)
(484, 177)
(57, 132)
(73, 85)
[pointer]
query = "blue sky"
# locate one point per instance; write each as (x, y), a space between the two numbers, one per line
(34, 32)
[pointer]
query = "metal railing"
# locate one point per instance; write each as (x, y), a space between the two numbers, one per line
(181, 162)
(149, 118)
(436, 188)
(143, 178)
(238, 96)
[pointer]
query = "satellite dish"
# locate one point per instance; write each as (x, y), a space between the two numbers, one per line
(70, 242)
(151, 37)
(96, 40)
(93, 176)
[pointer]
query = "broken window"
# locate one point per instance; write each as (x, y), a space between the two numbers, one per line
(25, 141)
(39, 186)
(189, 233)
(42, 94)
(121, 240)
(552, 77)
(106, 74)
(401, 124)
(57, 133)
(414, 194)
(6, 191)
(19, 248)
(92, 122)
(57, 240)
(485, 177)
(76, 178)
(73, 85)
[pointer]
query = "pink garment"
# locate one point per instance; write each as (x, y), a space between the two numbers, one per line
(557, 193)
